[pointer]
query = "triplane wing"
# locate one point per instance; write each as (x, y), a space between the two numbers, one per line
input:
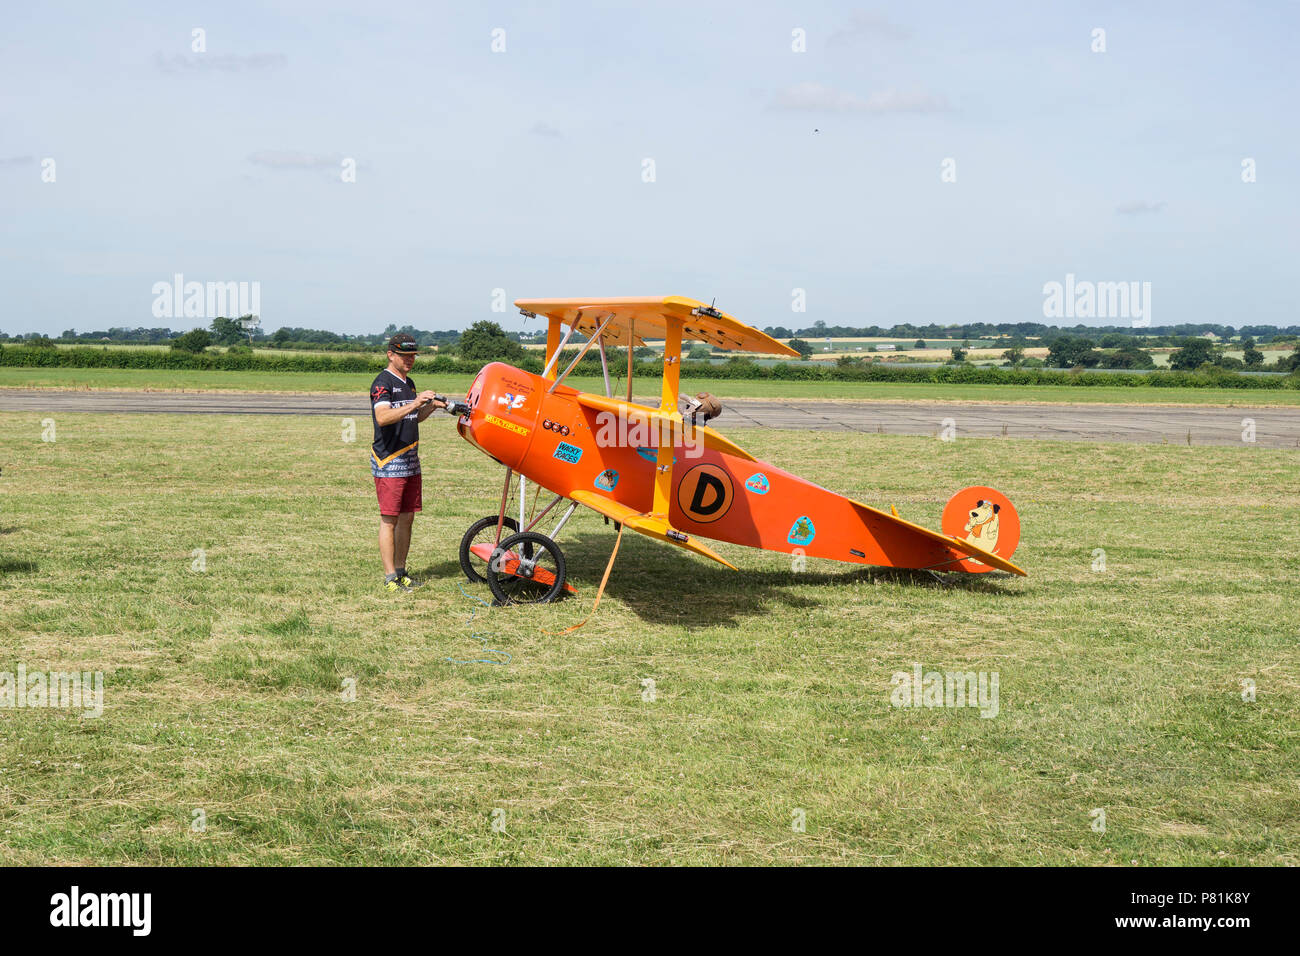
(638, 318)
(649, 469)
(648, 525)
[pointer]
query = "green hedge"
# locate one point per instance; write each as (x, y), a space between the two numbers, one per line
(89, 357)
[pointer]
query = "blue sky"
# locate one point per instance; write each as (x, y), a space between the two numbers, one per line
(522, 170)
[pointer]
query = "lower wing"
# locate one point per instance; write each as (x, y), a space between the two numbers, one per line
(647, 525)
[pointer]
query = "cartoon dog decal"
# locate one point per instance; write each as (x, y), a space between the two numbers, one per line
(983, 517)
(982, 527)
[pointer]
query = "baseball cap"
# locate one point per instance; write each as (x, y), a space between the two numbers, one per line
(403, 344)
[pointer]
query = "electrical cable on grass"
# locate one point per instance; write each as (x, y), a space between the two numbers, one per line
(481, 638)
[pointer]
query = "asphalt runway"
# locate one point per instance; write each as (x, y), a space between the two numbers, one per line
(1149, 424)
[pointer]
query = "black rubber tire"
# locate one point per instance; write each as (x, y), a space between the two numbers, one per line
(509, 527)
(512, 589)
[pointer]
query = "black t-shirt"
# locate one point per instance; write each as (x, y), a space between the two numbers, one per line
(395, 453)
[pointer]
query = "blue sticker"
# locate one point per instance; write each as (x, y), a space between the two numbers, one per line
(607, 480)
(566, 452)
(757, 483)
(802, 531)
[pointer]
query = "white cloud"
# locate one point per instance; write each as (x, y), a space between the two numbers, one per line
(288, 159)
(224, 63)
(545, 129)
(1138, 207)
(865, 25)
(816, 97)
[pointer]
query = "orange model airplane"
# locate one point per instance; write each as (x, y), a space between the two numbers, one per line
(659, 473)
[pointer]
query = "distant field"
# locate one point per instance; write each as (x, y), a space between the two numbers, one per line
(144, 346)
(163, 380)
(259, 349)
(932, 345)
(976, 355)
(1161, 356)
(221, 573)
(844, 345)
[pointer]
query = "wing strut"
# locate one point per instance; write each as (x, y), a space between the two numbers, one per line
(595, 337)
(631, 343)
(553, 346)
(668, 406)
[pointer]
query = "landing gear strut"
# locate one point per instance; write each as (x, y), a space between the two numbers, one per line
(520, 567)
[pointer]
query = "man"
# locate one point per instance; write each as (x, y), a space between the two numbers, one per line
(397, 410)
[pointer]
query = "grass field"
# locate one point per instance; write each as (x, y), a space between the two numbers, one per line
(1120, 690)
(359, 383)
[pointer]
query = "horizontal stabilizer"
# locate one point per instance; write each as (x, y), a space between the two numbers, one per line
(956, 544)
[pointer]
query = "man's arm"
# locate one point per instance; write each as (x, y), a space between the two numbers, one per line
(386, 414)
(424, 405)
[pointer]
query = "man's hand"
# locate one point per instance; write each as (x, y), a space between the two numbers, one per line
(427, 402)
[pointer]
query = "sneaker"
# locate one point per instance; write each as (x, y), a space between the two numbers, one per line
(394, 586)
(406, 582)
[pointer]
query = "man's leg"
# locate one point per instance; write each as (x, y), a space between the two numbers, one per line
(403, 539)
(389, 492)
(411, 503)
(388, 543)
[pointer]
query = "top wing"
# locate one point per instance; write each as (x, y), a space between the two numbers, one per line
(637, 318)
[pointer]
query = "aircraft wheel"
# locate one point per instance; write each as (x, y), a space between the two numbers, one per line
(526, 568)
(475, 535)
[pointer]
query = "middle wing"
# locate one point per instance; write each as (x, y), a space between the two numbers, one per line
(661, 423)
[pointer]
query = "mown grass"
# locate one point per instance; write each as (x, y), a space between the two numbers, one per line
(1119, 689)
(358, 383)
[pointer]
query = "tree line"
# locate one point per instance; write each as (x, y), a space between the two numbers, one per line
(486, 341)
(1193, 352)
(226, 331)
(1157, 335)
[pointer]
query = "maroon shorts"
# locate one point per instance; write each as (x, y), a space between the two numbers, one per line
(398, 495)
